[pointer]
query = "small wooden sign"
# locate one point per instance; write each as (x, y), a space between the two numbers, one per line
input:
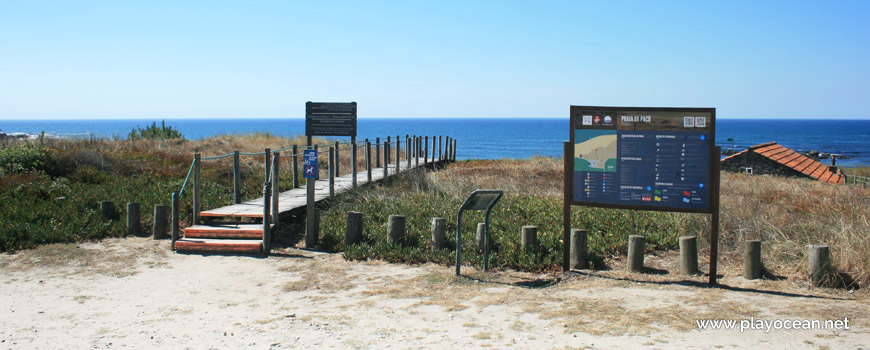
(330, 119)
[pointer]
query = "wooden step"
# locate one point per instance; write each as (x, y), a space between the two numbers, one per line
(226, 230)
(228, 246)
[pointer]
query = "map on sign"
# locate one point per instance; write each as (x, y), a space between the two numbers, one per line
(637, 158)
(595, 150)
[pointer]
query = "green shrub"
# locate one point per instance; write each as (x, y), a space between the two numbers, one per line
(155, 132)
(19, 158)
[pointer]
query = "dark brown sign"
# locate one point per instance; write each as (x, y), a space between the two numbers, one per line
(330, 119)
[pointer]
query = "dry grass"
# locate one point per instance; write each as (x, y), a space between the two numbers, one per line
(323, 275)
(113, 257)
(787, 214)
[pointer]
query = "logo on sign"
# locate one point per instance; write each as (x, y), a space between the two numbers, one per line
(587, 120)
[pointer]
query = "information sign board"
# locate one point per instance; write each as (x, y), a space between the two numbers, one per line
(309, 164)
(642, 158)
(330, 119)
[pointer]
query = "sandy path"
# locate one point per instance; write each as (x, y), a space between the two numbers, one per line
(133, 294)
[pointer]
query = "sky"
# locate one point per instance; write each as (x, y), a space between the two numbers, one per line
(265, 59)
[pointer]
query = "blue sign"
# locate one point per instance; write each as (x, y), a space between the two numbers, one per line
(639, 158)
(309, 164)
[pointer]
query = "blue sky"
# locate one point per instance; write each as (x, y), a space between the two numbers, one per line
(207, 59)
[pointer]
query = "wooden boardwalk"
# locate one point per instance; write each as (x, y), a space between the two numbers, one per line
(214, 236)
(295, 198)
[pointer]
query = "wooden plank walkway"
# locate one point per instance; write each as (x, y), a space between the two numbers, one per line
(296, 198)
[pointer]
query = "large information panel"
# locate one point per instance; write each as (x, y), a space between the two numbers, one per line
(643, 158)
(330, 119)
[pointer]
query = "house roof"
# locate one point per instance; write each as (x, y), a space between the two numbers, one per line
(799, 162)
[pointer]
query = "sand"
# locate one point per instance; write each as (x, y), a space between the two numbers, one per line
(134, 293)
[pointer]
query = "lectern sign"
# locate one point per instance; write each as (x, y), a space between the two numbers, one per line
(330, 119)
(642, 158)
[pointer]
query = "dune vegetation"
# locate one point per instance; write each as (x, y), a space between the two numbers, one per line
(50, 191)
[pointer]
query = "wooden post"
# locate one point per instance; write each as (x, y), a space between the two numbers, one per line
(295, 150)
(161, 218)
(267, 234)
(425, 149)
(440, 153)
(377, 152)
(567, 185)
(353, 171)
(453, 158)
(396, 229)
(578, 249)
(529, 237)
(353, 234)
(386, 156)
(175, 219)
(752, 259)
(368, 161)
(820, 264)
(311, 229)
(688, 255)
(107, 209)
(480, 236)
(337, 160)
(398, 157)
(332, 172)
(197, 188)
(714, 218)
(636, 247)
(276, 186)
(439, 232)
(237, 178)
(318, 163)
(134, 226)
(434, 149)
(267, 164)
(408, 150)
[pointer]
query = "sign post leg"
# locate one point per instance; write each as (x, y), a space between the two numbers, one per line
(566, 206)
(714, 220)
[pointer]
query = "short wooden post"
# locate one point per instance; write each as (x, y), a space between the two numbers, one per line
(295, 150)
(396, 229)
(439, 232)
(408, 150)
(425, 149)
(377, 152)
(337, 160)
(353, 234)
(398, 157)
(480, 236)
(332, 172)
(353, 171)
(688, 255)
(529, 237)
(578, 249)
(267, 233)
(434, 149)
(161, 218)
(752, 259)
(453, 154)
(134, 226)
(820, 264)
(107, 208)
(636, 247)
(417, 145)
(175, 219)
(276, 186)
(237, 178)
(368, 161)
(197, 187)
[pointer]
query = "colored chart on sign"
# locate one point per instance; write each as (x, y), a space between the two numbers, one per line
(642, 158)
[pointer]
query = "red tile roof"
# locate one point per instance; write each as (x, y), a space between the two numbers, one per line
(796, 161)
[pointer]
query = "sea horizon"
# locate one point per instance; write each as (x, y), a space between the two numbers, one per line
(483, 137)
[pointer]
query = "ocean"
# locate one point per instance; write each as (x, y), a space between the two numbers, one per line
(490, 138)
